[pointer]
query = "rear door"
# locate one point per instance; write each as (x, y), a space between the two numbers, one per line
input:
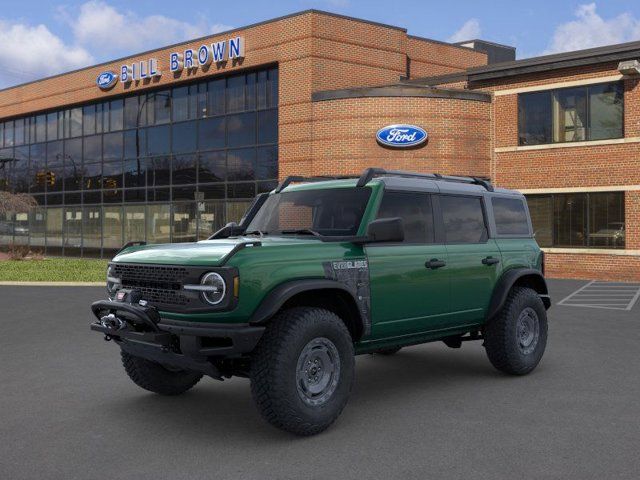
(474, 258)
(409, 280)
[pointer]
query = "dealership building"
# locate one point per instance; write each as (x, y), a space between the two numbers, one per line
(170, 144)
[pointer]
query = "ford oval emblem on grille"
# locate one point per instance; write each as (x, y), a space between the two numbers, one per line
(106, 80)
(401, 136)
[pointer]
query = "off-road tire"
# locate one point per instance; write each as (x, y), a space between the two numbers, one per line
(274, 370)
(502, 342)
(156, 378)
(388, 351)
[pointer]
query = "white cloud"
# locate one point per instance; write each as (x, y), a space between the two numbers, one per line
(591, 30)
(98, 32)
(107, 31)
(469, 31)
(29, 52)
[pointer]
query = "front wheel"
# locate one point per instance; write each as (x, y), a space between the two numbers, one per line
(302, 370)
(515, 339)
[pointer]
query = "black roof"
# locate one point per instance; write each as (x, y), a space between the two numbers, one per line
(590, 56)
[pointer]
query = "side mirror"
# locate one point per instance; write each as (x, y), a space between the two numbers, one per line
(385, 230)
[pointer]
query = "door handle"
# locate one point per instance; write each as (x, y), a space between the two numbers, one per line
(490, 261)
(435, 263)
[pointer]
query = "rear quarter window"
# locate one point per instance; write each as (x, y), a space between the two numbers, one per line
(510, 215)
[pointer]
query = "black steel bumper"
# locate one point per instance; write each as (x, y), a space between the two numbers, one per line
(141, 331)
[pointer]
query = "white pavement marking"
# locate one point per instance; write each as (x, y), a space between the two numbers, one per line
(612, 296)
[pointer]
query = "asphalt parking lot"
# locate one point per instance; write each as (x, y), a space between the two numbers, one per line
(68, 411)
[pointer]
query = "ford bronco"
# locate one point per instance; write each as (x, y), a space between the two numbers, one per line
(320, 270)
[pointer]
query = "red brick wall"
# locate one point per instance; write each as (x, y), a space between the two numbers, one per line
(344, 135)
(593, 267)
(430, 58)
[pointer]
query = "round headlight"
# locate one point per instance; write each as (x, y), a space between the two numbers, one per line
(215, 288)
(113, 284)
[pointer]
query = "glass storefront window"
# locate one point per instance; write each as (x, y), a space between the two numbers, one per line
(158, 223)
(578, 220)
(54, 231)
(37, 227)
(184, 222)
(212, 133)
(96, 167)
(112, 228)
(210, 218)
(183, 137)
(91, 231)
(592, 112)
(134, 223)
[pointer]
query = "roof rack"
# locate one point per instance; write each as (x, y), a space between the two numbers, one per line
(318, 178)
(371, 173)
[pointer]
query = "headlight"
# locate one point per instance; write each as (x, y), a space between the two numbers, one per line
(113, 283)
(212, 288)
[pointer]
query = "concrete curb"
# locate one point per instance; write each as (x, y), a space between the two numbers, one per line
(53, 284)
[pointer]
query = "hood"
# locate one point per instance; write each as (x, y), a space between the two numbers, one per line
(206, 252)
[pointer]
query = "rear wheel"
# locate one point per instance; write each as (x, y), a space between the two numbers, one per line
(156, 378)
(302, 370)
(516, 338)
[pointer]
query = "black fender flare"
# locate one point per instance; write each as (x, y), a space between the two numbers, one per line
(508, 280)
(278, 296)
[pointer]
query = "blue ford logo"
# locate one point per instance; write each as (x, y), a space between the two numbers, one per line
(401, 136)
(106, 80)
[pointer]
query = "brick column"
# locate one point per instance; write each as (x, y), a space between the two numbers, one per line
(632, 219)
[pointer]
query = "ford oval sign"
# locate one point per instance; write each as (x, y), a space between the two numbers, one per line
(106, 80)
(401, 136)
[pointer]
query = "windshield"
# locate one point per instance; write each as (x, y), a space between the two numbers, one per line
(327, 212)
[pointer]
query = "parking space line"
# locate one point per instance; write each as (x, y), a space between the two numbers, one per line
(612, 296)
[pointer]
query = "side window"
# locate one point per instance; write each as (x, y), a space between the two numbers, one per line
(463, 219)
(415, 211)
(511, 216)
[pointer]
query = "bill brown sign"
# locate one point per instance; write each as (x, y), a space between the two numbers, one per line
(189, 59)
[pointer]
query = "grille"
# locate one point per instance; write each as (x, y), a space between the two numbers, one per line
(160, 285)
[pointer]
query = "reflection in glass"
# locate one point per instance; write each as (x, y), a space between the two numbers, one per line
(54, 231)
(241, 129)
(211, 134)
(112, 228)
(37, 227)
(184, 137)
(91, 231)
(184, 222)
(134, 223)
(241, 164)
(158, 223)
(184, 169)
(210, 218)
(541, 211)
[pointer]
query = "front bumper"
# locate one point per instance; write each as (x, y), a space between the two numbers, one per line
(140, 331)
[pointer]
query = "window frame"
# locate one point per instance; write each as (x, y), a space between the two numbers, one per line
(553, 92)
(587, 220)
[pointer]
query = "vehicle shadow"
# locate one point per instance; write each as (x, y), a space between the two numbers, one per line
(224, 410)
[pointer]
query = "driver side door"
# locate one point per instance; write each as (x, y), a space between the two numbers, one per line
(409, 280)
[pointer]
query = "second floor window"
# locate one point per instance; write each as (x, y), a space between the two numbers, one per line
(577, 114)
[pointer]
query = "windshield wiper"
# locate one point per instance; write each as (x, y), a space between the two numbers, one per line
(302, 231)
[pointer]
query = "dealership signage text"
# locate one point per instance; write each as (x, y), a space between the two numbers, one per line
(188, 59)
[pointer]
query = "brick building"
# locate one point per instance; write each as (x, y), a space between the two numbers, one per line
(170, 144)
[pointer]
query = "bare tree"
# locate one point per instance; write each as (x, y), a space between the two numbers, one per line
(16, 203)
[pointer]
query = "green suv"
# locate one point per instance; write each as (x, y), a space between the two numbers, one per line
(320, 270)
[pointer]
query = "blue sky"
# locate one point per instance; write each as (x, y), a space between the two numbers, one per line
(43, 37)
